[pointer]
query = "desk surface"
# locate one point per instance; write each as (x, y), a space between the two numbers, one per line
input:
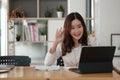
(29, 73)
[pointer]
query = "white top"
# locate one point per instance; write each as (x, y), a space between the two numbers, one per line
(70, 59)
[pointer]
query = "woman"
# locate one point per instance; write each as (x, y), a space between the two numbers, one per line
(68, 41)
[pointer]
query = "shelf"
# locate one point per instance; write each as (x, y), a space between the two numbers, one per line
(28, 6)
(11, 42)
(45, 18)
(37, 8)
(31, 30)
(89, 18)
(28, 42)
(51, 5)
(31, 42)
(36, 18)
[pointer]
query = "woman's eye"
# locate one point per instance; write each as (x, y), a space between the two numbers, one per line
(72, 28)
(79, 26)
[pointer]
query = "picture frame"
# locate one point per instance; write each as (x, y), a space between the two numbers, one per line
(115, 41)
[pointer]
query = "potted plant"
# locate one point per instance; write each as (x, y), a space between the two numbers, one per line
(42, 32)
(18, 36)
(48, 12)
(60, 11)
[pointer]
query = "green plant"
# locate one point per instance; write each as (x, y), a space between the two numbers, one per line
(48, 12)
(18, 35)
(42, 31)
(60, 8)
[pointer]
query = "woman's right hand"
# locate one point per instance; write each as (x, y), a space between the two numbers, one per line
(59, 35)
(58, 39)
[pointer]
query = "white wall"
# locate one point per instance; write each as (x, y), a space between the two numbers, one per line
(107, 15)
(77, 6)
(3, 25)
(109, 20)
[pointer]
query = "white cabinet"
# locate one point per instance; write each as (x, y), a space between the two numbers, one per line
(53, 25)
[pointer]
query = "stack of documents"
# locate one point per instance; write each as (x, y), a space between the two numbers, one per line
(47, 67)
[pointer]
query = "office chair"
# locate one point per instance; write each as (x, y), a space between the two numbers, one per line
(15, 60)
(60, 61)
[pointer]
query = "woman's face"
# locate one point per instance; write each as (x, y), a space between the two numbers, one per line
(76, 30)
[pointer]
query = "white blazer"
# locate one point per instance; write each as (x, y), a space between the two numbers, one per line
(70, 59)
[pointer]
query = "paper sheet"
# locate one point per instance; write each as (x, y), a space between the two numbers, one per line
(47, 67)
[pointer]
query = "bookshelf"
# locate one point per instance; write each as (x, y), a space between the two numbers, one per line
(25, 15)
(37, 48)
(28, 30)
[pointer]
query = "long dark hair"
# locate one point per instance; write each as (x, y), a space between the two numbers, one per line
(68, 43)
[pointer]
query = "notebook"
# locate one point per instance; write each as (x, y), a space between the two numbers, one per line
(5, 68)
(96, 59)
